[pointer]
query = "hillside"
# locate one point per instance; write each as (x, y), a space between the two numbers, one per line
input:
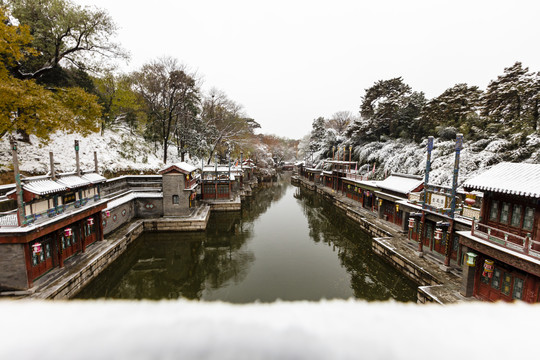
(118, 152)
(477, 156)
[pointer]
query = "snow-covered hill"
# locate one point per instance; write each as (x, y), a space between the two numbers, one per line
(121, 152)
(118, 151)
(476, 157)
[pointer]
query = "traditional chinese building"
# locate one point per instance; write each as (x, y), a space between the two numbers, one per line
(503, 247)
(336, 172)
(180, 183)
(216, 182)
(57, 216)
(394, 188)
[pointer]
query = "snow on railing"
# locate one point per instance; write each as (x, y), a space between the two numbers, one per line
(524, 245)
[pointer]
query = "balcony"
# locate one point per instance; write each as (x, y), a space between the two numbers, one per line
(512, 242)
(41, 217)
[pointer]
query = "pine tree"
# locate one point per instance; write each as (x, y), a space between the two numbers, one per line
(507, 98)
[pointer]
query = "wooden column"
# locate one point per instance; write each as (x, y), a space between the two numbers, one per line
(83, 236)
(99, 228)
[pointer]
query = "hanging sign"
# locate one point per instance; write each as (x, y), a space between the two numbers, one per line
(36, 248)
(438, 201)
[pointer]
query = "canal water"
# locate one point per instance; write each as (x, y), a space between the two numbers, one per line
(286, 243)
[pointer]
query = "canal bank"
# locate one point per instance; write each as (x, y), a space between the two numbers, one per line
(79, 270)
(391, 244)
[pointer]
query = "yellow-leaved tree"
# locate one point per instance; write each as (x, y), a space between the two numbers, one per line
(30, 108)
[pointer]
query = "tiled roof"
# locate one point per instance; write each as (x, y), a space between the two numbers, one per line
(400, 184)
(42, 187)
(73, 182)
(94, 178)
(182, 166)
(509, 178)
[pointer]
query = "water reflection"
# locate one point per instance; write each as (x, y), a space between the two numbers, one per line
(286, 243)
(371, 278)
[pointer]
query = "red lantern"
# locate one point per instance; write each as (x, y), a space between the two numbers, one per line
(36, 248)
(68, 232)
(90, 221)
(411, 223)
(470, 201)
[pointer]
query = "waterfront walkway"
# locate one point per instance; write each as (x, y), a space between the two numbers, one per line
(392, 244)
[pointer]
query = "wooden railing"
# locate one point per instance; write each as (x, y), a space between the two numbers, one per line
(524, 245)
(190, 183)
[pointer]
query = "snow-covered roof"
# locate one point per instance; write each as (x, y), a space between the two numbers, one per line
(509, 178)
(73, 181)
(219, 169)
(94, 178)
(42, 187)
(182, 166)
(400, 183)
(131, 196)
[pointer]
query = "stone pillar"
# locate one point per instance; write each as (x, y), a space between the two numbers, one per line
(467, 280)
(18, 185)
(53, 170)
(95, 163)
(404, 221)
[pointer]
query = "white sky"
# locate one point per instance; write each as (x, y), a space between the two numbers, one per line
(288, 62)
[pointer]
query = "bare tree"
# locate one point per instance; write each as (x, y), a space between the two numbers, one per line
(225, 122)
(340, 121)
(168, 92)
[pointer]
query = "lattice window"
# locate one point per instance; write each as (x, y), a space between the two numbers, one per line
(528, 220)
(506, 284)
(496, 281)
(516, 216)
(494, 211)
(518, 289)
(505, 209)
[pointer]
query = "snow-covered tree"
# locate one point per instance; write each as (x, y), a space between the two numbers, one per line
(225, 122)
(456, 107)
(390, 108)
(507, 99)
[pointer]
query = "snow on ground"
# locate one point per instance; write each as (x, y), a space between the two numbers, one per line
(282, 330)
(117, 151)
(476, 157)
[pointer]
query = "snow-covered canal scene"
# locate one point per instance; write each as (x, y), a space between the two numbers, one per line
(287, 179)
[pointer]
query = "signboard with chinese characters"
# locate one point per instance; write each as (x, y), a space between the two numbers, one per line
(438, 201)
(415, 197)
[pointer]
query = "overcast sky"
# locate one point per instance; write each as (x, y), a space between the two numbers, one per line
(288, 62)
